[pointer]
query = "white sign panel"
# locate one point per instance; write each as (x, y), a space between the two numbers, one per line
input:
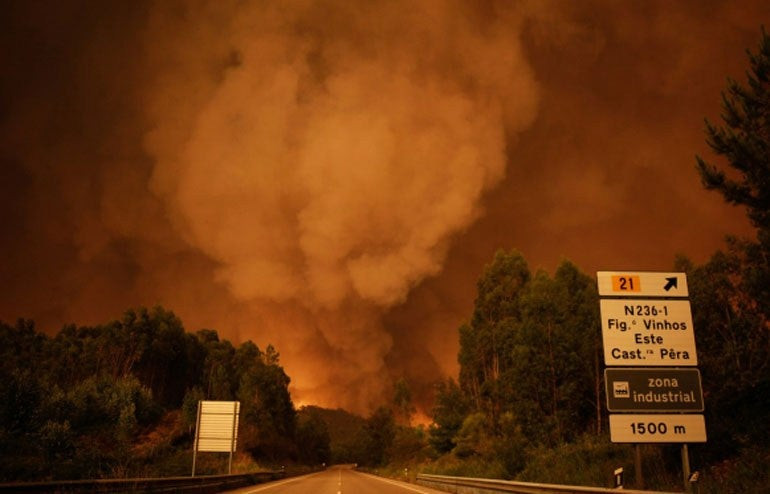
(641, 284)
(660, 428)
(647, 332)
(218, 426)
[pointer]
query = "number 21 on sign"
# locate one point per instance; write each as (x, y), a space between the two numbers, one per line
(626, 283)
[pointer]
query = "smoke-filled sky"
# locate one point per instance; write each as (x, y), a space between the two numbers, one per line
(332, 176)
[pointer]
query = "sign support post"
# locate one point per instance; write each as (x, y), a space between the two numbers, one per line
(638, 466)
(686, 468)
(232, 439)
(197, 437)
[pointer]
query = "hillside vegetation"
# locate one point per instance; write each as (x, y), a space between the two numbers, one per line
(120, 399)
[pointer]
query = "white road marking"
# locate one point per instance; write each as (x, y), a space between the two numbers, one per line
(399, 484)
(293, 479)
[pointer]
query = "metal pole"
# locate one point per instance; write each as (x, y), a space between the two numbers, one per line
(232, 437)
(686, 468)
(197, 437)
(638, 467)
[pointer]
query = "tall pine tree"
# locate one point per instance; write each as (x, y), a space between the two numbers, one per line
(744, 140)
(731, 293)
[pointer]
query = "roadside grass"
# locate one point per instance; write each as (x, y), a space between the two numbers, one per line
(592, 460)
(473, 466)
(589, 461)
(748, 473)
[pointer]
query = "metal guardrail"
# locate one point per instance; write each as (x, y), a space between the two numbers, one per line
(203, 484)
(468, 485)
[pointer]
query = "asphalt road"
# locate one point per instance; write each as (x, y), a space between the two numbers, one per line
(336, 480)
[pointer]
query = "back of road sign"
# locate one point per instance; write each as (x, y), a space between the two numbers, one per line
(641, 284)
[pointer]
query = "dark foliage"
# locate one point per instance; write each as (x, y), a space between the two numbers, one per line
(76, 405)
(731, 292)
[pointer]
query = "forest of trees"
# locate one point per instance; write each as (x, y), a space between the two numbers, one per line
(529, 368)
(530, 365)
(120, 400)
(77, 405)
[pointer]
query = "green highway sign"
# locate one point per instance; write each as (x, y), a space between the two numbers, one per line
(653, 390)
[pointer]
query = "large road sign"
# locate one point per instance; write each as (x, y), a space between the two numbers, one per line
(653, 390)
(647, 333)
(660, 428)
(646, 321)
(641, 284)
(217, 426)
(216, 429)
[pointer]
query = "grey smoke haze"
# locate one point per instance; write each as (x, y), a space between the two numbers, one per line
(331, 177)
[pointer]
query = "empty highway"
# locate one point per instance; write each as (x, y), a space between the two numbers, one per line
(336, 480)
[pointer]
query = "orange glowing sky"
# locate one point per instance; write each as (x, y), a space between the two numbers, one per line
(332, 176)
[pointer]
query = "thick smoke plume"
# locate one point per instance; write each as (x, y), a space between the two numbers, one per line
(325, 153)
(331, 177)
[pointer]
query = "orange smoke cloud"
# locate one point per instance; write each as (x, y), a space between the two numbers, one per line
(325, 154)
(291, 171)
